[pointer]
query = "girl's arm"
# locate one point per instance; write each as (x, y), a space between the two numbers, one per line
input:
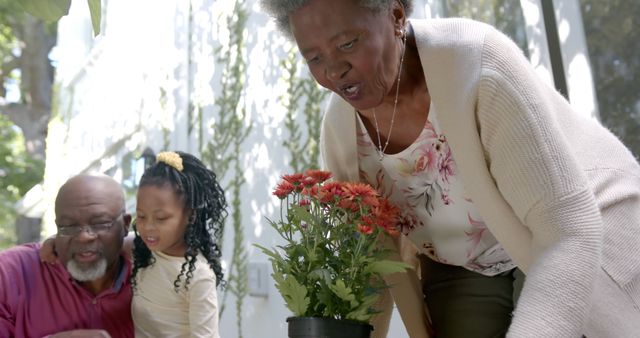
(48, 250)
(203, 304)
(127, 244)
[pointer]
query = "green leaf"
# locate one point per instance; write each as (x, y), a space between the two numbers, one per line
(47, 10)
(95, 7)
(302, 214)
(277, 275)
(324, 295)
(385, 267)
(364, 311)
(295, 295)
(271, 253)
(371, 299)
(321, 274)
(362, 314)
(343, 292)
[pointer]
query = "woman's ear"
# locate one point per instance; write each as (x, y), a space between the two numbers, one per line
(399, 17)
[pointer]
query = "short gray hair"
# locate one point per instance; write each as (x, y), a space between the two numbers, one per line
(279, 10)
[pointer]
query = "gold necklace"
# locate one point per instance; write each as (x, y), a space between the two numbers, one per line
(380, 148)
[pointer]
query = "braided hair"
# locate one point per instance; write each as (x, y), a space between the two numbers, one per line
(201, 194)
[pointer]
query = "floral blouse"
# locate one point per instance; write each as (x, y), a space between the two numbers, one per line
(436, 212)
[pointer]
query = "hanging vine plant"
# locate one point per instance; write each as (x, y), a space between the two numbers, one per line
(222, 151)
(304, 134)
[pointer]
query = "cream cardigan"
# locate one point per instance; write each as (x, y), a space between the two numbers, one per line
(558, 190)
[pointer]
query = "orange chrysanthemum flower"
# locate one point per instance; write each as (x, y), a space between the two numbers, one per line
(365, 229)
(309, 181)
(330, 192)
(311, 191)
(361, 192)
(295, 179)
(386, 216)
(319, 175)
(283, 189)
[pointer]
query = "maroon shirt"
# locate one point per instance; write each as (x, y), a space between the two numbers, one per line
(38, 299)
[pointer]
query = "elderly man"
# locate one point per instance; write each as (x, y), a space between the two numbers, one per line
(88, 292)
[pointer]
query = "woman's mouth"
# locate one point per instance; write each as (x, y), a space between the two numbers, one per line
(350, 91)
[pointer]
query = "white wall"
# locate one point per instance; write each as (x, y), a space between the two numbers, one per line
(108, 88)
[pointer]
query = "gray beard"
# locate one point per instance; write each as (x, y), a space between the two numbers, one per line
(87, 274)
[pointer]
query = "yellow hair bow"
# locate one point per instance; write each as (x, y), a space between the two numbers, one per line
(170, 158)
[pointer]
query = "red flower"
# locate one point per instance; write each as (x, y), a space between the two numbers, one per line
(319, 175)
(309, 181)
(330, 192)
(305, 203)
(295, 179)
(365, 229)
(386, 216)
(348, 204)
(311, 191)
(283, 189)
(369, 220)
(361, 192)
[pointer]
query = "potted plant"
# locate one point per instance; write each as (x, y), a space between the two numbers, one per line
(329, 269)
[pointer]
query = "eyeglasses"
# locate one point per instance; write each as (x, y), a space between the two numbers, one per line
(93, 229)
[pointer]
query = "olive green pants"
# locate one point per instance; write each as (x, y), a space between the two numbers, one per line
(466, 304)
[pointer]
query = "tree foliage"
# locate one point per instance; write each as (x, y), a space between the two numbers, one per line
(25, 81)
(18, 173)
(53, 10)
(9, 15)
(28, 30)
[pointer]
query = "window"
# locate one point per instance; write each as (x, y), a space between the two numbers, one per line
(505, 15)
(614, 51)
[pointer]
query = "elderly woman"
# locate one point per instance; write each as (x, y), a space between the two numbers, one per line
(495, 173)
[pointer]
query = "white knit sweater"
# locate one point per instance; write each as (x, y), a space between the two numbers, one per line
(558, 190)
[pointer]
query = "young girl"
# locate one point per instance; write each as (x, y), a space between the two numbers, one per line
(180, 215)
(176, 268)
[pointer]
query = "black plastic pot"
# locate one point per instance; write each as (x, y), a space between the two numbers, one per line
(318, 327)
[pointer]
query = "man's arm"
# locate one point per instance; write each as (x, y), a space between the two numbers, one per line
(7, 313)
(7, 323)
(81, 334)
